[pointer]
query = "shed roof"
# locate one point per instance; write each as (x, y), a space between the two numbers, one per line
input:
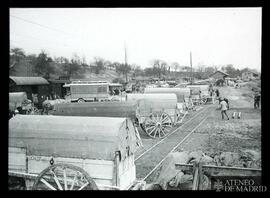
(225, 74)
(18, 80)
(71, 136)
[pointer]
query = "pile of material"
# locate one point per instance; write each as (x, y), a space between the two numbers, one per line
(170, 178)
(244, 158)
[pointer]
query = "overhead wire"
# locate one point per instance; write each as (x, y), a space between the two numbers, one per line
(74, 37)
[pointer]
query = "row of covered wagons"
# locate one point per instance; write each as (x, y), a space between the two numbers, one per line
(87, 146)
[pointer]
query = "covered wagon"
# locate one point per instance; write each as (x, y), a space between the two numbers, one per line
(203, 88)
(18, 101)
(199, 93)
(140, 108)
(72, 153)
(157, 113)
(181, 93)
(98, 109)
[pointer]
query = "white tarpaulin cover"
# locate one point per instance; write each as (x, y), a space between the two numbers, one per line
(181, 93)
(73, 137)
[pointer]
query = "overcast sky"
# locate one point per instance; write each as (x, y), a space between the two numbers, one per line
(216, 36)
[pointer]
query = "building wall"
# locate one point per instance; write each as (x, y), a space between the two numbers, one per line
(42, 91)
(58, 89)
(248, 76)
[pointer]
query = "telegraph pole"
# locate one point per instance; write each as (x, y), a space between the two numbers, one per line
(191, 78)
(126, 62)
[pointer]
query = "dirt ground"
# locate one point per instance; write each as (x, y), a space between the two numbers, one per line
(234, 135)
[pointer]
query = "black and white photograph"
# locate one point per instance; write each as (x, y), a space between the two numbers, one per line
(139, 98)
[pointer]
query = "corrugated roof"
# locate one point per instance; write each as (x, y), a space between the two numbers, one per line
(29, 80)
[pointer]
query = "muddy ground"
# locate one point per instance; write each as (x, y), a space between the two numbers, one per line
(234, 135)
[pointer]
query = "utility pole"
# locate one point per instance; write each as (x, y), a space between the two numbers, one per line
(191, 78)
(126, 62)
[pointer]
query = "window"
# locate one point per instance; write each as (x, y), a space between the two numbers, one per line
(102, 89)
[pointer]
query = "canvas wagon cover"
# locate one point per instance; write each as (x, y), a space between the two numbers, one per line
(97, 109)
(73, 137)
(202, 88)
(181, 93)
(17, 99)
(148, 103)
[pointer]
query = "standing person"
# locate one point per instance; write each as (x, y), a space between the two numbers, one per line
(257, 98)
(224, 108)
(227, 101)
(217, 92)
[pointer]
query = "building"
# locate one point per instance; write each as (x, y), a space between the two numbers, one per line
(249, 75)
(36, 88)
(57, 89)
(219, 75)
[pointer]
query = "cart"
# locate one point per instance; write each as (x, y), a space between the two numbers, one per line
(199, 94)
(140, 108)
(182, 94)
(18, 101)
(73, 153)
(157, 113)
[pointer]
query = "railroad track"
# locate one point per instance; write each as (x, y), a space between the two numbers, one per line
(151, 159)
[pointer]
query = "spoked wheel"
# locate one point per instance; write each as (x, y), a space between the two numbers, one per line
(64, 177)
(158, 125)
(81, 100)
(179, 116)
(204, 100)
(34, 111)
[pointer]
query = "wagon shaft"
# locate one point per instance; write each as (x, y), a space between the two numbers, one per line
(221, 170)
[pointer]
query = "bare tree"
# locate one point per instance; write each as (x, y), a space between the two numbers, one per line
(175, 66)
(159, 67)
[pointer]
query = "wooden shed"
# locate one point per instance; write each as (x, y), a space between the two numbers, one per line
(36, 88)
(219, 75)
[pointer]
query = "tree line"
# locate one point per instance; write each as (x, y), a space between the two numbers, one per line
(46, 66)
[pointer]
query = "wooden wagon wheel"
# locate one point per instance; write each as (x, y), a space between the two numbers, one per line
(81, 100)
(158, 124)
(64, 177)
(178, 116)
(34, 111)
(204, 100)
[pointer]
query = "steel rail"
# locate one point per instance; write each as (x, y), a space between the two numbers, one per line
(192, 118)
(174, 149)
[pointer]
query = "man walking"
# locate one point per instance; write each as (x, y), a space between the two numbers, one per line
(224, 108)
(227, 101)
